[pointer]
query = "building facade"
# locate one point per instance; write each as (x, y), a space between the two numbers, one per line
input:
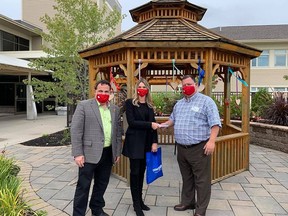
(32, 10)
(19, 44)
(267, 70)
(16, 37)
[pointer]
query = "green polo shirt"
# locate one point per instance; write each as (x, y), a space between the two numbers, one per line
(107, 124)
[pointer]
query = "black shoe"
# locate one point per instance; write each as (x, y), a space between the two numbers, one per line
(144, 207)
(101, 214)
(181, 207)
(139, 212)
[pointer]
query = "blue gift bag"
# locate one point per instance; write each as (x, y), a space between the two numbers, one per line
(153, 166)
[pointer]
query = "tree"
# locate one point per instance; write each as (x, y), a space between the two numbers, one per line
(76, 25)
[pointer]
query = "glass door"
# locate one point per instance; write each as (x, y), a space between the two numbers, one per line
(20, 98)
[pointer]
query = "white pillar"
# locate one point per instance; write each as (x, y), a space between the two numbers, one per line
(30, 105)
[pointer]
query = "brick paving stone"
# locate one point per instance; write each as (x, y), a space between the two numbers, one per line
(256, 180)
(245, 211)
(121, 210)
(241, 203)
(276, 189)
(231, 186)
(217, 204)
(260, 191)
(166, 201)
(151, 200)
(242, 195)
(256, 192)
(280, 197)
(156, 190)
(268, 205)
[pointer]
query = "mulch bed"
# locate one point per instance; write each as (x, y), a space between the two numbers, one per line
(61, 138)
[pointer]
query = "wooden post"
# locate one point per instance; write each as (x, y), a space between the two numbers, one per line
(130, 73)
(246, 111)
(227, 92)
(246, 100)
(208, 67)
(92, 77)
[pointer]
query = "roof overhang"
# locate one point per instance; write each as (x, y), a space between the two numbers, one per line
(12, 24)
(17, 67)
(252, 52)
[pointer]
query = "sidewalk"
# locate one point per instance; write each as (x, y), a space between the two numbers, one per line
(16, 128)
(50, 175)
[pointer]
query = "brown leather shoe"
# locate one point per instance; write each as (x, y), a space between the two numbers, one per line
(181, 207)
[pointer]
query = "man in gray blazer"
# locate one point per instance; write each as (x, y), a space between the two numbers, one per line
(96, 144)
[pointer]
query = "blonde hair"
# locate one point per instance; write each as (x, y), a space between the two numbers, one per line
(148, 98)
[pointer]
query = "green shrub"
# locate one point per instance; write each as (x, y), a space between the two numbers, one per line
(11, 194)
(66, 137)
(164, 102)
(277, 112)
(235, 109)
(158, 101)
(259, 102)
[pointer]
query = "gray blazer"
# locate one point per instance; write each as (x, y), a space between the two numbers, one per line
(87, 134)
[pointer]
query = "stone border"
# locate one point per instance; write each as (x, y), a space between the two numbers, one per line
(268, 135)
(32, 199)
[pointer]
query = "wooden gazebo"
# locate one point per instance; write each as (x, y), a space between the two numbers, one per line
(167, 33)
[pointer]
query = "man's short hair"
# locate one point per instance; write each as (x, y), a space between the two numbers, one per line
(102, 82)
(189, 76)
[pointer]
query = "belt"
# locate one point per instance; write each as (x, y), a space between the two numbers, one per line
(191, 145)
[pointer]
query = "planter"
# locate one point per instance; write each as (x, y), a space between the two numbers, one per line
(61, 111)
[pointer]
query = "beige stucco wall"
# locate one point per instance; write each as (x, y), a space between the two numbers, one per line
(32, 10)
(269, 76)
(263, 76)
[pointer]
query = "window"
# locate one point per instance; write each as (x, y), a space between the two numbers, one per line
(280, 59)
(262, 60)
(10, 42)
(279, 89)
(256, 89)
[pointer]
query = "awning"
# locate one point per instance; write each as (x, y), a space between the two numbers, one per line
(17, 67)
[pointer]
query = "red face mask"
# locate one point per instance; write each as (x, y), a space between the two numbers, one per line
(102, 98)
(142, 91)
(189, 90)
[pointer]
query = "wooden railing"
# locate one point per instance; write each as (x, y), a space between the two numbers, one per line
(165, 136)
(122, 168)
(231, 155)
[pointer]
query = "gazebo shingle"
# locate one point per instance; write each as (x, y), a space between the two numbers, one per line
(170, 29)
(167, 29)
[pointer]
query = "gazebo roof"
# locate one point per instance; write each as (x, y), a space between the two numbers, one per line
(200, 11)
(171, 23)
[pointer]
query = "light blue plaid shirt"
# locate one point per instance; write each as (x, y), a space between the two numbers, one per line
(193, 119)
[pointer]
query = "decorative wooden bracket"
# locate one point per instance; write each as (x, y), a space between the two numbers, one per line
(124, 69)
(215, 69)
(144, 65)
(242, 73)
(96, 72)
(194, 65)
(174, 84)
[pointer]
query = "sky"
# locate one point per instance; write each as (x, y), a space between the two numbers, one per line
(219, 13)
